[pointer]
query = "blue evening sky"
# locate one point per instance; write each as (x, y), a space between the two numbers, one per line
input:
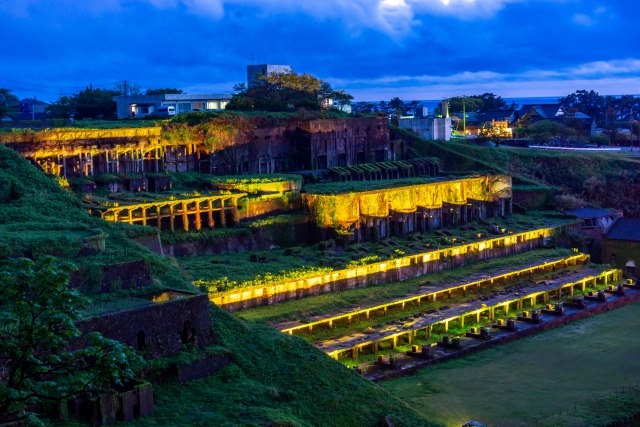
(374, 49)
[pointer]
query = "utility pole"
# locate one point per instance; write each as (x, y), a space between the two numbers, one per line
(464, 117)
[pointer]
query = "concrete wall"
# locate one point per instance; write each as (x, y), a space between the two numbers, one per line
(428, 128)
(387, 271)
(619, 252)
(160, 329)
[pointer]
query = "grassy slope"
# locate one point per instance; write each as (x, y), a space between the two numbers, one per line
(37, 218)
(275, 379)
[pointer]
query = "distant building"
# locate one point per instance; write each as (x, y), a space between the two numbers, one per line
(595, 219)
(254, 72)
(31, 109)
(533, 113)
(428, 128)
(621, 245)
(138, 106)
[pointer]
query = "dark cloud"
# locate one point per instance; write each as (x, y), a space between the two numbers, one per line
(418, 49)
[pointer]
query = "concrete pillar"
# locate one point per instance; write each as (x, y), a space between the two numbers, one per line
(198, 220)
(394, 342)
(172, 218)
(330, 324)
(144, 215)
(354, 352)
(158, 210)
(427, 331)
(375, 346)
(234, 211)
(461, 318)
(185, 217)
(446, 326)
(210, 222)
(223, 219)
(478, 317)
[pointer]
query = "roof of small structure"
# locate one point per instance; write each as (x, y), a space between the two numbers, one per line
(547, 111)
(625, 229)
(588, 213)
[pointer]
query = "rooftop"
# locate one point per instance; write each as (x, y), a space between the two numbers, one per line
(625, 229)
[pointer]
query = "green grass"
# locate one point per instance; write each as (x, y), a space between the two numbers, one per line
(534, 377)
(275, 380)
(38, 217)
(324, 304)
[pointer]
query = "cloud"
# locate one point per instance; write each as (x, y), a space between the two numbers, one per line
(610, 77)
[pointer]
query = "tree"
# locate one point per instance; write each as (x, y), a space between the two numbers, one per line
(587, 102)
(64, 107)
(38, 312)
(163, 91)
(492, 102)
(286, 92)
(8, 102)
(458, 104)
(95, 104)
(127, 88)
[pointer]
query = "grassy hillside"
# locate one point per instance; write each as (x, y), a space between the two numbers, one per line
(586, 175)
(273, 380)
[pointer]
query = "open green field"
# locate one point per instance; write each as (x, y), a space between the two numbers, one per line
(534, 378)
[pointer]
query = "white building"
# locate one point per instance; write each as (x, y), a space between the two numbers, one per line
(428, 127)
(138, 106)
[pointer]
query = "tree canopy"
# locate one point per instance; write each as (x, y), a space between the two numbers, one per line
(8, 102)
(37, 324)
(89, 103)
(287, 92)
(162, 91)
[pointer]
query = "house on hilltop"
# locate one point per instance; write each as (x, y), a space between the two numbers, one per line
(533, 113)
(139, 106)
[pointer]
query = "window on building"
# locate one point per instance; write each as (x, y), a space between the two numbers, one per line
(212, 105)
(197, 106)
(184, 107)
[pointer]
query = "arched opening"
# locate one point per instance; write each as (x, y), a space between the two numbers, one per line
(142, 341)
(187, 333)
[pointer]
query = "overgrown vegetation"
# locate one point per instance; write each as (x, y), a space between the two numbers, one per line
(304, 309)
(590, 176)
(273, 379)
